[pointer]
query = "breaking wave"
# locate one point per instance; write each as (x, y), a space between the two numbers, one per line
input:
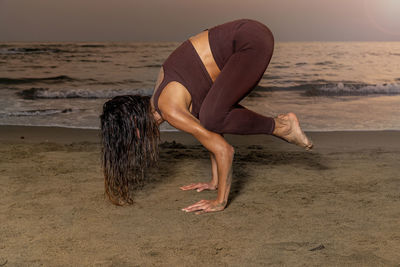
(51, 80)
(44, 93)
(354, 90)
(337, 89)
(30, 50)
(37, 112)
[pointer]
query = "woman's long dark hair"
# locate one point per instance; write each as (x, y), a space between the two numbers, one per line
(130, 138)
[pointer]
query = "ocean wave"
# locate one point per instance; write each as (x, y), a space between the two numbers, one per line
(345, 88)
(30, 50)
(37, 112)
(271, 77)
(93, 45)
(280, 67)
(146, 66)
(342, 89)
(94, 61)
(61, 79)
(51, 80)
(301, 85)
(307, 89)
(324, 63)
(10, 49)
(44, 93)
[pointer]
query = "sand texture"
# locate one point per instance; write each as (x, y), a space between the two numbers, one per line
(338, 205)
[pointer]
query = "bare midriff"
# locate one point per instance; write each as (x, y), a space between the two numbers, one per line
(201, 44)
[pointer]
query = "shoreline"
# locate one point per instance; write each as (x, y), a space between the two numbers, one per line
(336, 140)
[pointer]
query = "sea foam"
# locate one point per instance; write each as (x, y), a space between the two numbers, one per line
(44, 93)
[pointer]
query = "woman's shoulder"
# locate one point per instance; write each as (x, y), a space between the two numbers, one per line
(173, 97)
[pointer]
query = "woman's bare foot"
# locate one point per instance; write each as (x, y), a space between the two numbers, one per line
(288, 128)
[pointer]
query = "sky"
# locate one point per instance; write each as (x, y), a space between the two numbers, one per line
(176, 20)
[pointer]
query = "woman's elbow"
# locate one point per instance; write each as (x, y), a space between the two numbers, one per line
(225, 151)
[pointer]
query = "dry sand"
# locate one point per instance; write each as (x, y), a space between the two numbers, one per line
(338, 205)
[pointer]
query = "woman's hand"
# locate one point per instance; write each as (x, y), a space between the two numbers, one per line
(204, 206)
(199, 186)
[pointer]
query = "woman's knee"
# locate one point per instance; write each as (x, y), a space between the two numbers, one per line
(266, 44)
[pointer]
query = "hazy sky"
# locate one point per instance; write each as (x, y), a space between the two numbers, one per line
(176, 20)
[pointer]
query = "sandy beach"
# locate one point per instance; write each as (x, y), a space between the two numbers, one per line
(338, 205)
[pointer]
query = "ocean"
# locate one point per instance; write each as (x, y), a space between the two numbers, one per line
(331, 86)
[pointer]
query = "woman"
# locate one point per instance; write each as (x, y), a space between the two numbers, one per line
(197, 91)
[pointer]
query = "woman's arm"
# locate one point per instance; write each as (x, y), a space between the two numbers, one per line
(179, 117)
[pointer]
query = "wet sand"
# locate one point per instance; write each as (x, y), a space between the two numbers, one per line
(338, 205)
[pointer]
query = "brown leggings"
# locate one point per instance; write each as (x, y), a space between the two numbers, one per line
(220, 111)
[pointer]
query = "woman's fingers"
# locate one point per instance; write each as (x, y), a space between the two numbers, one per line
(209, 208)
(201, 205)
(201, 186)
(206, 210)
(196, 204)
(189, 187)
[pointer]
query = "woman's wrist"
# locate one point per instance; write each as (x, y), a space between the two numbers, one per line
(214, 183)
(221, 203)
